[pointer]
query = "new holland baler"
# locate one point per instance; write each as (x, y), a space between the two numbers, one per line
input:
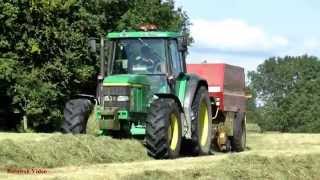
(226, 87)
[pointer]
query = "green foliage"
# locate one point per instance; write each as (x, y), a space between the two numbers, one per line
(252, 114)
(289, 91)
(44, 57)
(152, 11)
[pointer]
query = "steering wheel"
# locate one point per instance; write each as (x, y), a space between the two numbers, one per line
(157, 67)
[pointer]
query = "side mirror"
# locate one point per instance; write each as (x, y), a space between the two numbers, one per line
(183, 43)
(92, 44)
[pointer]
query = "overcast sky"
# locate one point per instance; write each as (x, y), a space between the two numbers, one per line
(246, 32)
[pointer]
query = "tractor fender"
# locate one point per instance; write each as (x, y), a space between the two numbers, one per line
(90, 97)
(194, 83)
(171, 96)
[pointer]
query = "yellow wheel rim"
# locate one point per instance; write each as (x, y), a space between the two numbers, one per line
(173, 132)
(204, 124)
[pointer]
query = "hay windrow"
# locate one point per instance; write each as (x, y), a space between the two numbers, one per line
(68, 150)
(269, 155)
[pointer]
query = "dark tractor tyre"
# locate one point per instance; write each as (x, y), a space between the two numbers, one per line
(201, 123)
(238, 141)
(163, 129)
(76, 114)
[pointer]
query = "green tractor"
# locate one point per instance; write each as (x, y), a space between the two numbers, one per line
(145, 91)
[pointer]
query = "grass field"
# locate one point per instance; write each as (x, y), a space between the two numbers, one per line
(269, 156)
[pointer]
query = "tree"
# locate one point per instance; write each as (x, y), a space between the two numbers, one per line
(253, 115)
(288, 89)
(155, 12)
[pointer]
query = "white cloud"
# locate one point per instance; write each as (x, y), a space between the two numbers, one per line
(234, 35)
(311, 44)
(236, 42)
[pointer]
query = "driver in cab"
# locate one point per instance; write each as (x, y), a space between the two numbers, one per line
(147, 60)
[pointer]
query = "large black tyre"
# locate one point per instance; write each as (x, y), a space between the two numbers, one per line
(201, 123)
(163, 129)
(238, 141)
(76, 114)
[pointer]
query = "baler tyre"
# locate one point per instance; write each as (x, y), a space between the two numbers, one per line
(163, 129)
(76, 114)
(239, 133)
(201, 123)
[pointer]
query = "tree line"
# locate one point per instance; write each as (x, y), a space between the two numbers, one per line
(286, 93)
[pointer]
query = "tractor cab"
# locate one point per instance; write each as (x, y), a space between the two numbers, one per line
(158, 55)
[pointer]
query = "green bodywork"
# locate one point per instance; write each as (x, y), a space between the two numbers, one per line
(141, 89)
(181, 86)
(126, 79)
(140, 97)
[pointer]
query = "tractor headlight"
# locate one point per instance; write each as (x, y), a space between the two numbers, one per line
(123, 98)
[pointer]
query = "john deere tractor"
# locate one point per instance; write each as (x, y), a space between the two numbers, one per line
(144, 91)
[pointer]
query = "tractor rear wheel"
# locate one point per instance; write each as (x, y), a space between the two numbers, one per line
(238, 140)
(201, 123)
(163, 129)
(76, 114)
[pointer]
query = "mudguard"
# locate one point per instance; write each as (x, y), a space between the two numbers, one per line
(171, 96)
(91, 98)
(194, 82)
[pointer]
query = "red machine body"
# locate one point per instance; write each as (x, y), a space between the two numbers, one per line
(226, 84)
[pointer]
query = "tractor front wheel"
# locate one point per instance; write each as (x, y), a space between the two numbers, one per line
(76, 114)
(163, 129)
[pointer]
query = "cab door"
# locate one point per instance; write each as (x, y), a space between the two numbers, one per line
(176, 62)
(177, 77)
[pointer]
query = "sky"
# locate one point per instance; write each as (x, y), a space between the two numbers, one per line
(246, 32)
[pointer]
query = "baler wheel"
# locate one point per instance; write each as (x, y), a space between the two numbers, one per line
(238, 140)
(76, 114)
(163, 129)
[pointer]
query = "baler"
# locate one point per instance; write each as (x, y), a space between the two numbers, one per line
(226, 88)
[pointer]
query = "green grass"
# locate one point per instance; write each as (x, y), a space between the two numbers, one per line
(48, 151)
(269, 156)
(243, 167)
(253, 128)
(24, 136)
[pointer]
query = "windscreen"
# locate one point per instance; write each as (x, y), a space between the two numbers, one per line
(139, 56)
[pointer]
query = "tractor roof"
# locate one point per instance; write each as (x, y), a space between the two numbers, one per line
(143, 34)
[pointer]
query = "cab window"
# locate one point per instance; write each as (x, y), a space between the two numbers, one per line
(175, 57)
